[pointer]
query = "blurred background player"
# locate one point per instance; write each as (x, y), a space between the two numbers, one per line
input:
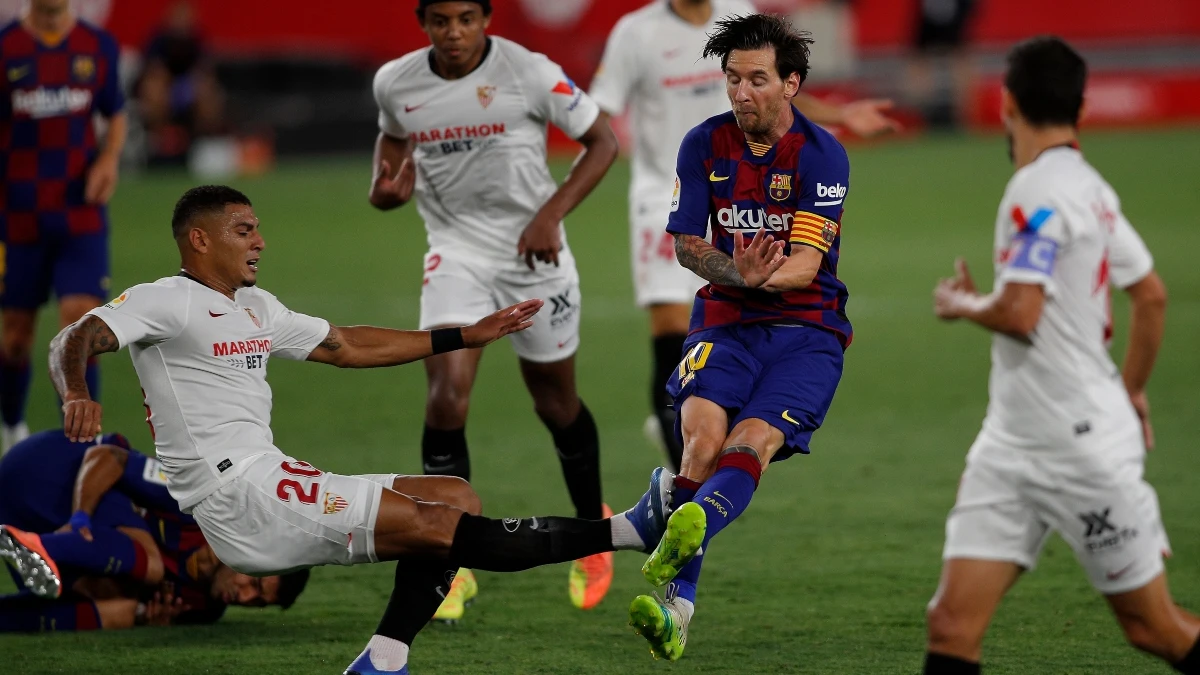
(764, 355)
(1064, 442)
(102, 514)
(652, 66)
(463, 126)
(178, 96)
(58, 73)
(940, 73)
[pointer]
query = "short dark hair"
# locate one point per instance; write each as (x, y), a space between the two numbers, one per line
(291, 585)
(203, 200)
(1047, 78)
(485, 6)
(759, 31)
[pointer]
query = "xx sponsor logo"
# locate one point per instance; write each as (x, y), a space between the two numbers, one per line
(1097, 522)
(752, 220)
(563, 309)
(1101, 534)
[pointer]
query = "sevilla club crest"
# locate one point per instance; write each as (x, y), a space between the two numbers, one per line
(485, 93)
(781, 186)
(253, 317)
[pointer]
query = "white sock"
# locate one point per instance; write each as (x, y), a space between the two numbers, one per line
(387, 653)
(625, 536)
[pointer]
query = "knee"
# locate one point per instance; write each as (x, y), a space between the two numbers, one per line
(556, 410)
(948, 627)
(448, 404)
(459, 494)
(17, 342)
(1170, 642)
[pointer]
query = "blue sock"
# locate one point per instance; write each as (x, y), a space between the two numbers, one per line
(29, 614)
(92, 377)
(723, 497)
(110, 552)
(14, 388)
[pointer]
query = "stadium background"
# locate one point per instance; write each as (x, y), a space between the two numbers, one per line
(830, 571)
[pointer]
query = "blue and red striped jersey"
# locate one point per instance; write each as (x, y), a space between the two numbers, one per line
(795, 189)
(48, 96)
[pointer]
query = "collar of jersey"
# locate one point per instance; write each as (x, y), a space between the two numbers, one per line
(769, 156)
(487, 51)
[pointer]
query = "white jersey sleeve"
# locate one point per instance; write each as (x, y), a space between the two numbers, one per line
(296, 334)
(389, 123)
(145, 314)
(554, 98)
(1041, 236)
(617, 76)
(1128, 258)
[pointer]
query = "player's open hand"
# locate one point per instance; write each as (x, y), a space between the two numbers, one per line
(162, 609)
(1141, 405)
(506, 321)
(395, 188)
(101, 180)
(866, 118)
(541, 240)
(81, 420)
(759, 259)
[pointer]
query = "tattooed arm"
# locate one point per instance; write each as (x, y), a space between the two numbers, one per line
(69, 353)
(706, 261)
(751, 266)
(373, 347)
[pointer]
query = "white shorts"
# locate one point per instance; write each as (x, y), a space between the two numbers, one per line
(658, 278)
(1009, 501)
(460, 289)
(280, 514)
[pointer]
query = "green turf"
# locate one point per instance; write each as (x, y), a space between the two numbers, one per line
(837, 584)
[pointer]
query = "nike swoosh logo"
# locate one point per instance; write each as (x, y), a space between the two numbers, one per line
(214, 314)
(715, 178)
(788, 417)
(410, 108)
(17, 73)
(1113, 576)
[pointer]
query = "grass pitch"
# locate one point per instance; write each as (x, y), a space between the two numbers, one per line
(830, 569)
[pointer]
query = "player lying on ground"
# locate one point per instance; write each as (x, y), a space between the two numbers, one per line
(100, 518)
(1062, 447)
(650, 68)
(200, 344)
(768, 333)
(469, 114)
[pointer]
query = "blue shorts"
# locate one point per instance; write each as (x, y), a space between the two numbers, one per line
(785, 375)
(70, 265)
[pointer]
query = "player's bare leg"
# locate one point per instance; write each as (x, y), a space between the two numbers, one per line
(16, 344)
(444, 442)
(557, 403)
(71, 308)
(668, 330)
(430, 540)
(961, 609)
(1153, 623)
(457, 493)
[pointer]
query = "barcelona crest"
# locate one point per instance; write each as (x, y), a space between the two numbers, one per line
(485, 93)
(781, 186)
(84, 68)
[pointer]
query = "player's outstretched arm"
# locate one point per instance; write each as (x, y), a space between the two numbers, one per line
(69, 353)
(395, 174)
(1014, 310)
(374, 347)
(101, 469)
(863, 118)
(1146, 326)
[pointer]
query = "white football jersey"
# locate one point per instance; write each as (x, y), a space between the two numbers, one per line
(652, 65)
(1060, 225)
(480, 141)
(202, 362)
